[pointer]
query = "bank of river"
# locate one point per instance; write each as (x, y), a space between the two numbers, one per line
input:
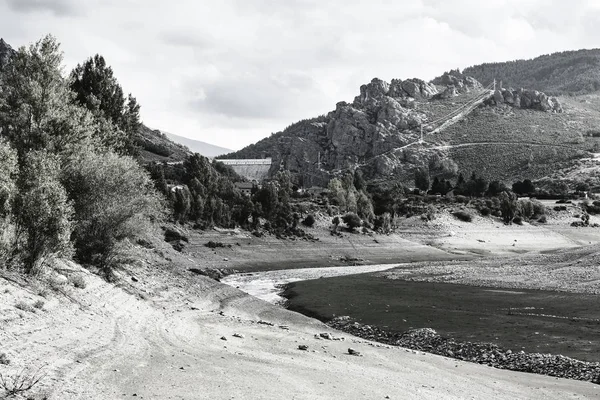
(268, 285)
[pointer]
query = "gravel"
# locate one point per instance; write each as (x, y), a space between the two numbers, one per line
(428, 340)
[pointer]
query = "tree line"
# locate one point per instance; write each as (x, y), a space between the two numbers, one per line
(69, 184)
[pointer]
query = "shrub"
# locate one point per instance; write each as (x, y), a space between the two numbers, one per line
(172, 235)
(352, 221)
(335, 220)
(39, 304)
(214, 245)
(485, 211)
(78, 281)
(4, 360)
(543, 219)
(518, 220)
(21, 305)
(463, 216)
(42, 211)
(309, 221)
(383, 223)
(113, 198)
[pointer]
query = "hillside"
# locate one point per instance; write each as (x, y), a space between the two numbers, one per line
(567, 72)
(197, 146)
(506, 135)
(156, 146)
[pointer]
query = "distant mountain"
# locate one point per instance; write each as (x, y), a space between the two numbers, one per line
(203, 148)
(567, 72)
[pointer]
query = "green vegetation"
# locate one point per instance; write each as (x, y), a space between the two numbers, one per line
(567, 72)
(67, 187)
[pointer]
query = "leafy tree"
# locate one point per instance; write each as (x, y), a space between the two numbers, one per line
(337, 193)
(35, 102)
(524, 187)
(364, 207)
(495, 188)
(42, 211)
(98, 90)
(508, 206)
(422, 179)
(8, 175)
(9, 169)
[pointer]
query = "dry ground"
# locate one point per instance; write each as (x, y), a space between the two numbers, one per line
(157, 334)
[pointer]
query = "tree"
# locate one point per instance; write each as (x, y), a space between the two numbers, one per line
(495, 188)
(8, 175)
(508, 206)
(337, 193)
(98, 90)
(113, 198)
(364, 207)
(35, 102)
(42, 211)
(524, 187)
(422, 179)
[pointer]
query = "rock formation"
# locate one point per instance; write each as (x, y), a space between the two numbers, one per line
(526, 99)
(456, 83)
(5, 53)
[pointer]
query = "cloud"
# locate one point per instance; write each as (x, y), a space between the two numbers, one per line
(57, 7)
(233, 71)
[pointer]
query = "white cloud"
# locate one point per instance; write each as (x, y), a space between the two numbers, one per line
(233, 71)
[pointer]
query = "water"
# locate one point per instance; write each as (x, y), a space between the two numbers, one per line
(268, 285)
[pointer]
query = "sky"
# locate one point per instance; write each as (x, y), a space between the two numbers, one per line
(230, 72)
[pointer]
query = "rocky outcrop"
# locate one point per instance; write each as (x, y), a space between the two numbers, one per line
(456, 83)
(526, 99)
(404, 92)
(5, 53)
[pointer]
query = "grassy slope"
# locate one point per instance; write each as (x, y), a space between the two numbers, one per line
(530, 144)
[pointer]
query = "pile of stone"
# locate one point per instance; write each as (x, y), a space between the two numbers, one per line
(428, 340)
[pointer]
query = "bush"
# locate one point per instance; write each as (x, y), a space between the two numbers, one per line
(21, 305)
(463, 216)
(78, 281)
(214, 245)
(309, 221)
(543, 219)
(485, 211)
(39, 304)
(42, 211)
(114, 199)
(383, 223)
(518, 220)
(352, 221)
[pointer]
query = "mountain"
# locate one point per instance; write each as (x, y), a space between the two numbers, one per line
(567, 72)
(205, 149)
(504, 135)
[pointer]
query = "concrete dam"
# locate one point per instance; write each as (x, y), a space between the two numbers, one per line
(251, 169)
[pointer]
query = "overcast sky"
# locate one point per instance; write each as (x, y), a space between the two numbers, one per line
(230, 72)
